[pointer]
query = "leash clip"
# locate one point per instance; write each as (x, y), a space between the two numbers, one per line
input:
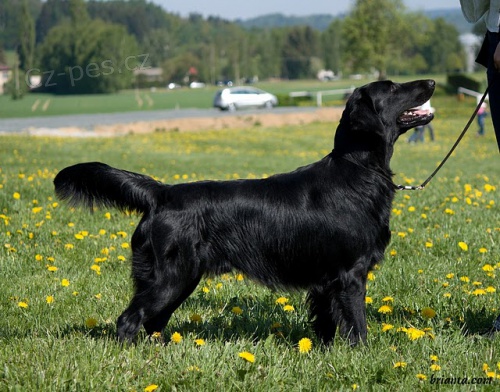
(409, 188)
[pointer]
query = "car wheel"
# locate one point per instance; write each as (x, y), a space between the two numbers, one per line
(231, 107)
(269, 105)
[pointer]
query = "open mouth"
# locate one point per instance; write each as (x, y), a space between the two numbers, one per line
(415, 117)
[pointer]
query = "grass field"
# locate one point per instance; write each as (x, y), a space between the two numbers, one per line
(132, 100)
(65, 274)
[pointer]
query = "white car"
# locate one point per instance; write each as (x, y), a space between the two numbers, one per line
(233, 98)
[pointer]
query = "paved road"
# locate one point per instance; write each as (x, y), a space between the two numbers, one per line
(89, 121)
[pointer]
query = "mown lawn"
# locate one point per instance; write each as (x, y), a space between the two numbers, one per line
(65, 274)
(34, 105)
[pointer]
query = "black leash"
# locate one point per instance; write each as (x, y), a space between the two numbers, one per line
(422, 186)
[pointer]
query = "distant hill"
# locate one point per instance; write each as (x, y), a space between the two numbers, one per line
(322, 21)
(319, 22)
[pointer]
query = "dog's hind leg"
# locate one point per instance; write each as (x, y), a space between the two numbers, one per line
(153, 306)
(324, 312)
(163, 280)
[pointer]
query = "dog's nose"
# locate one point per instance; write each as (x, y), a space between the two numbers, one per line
(431, 83)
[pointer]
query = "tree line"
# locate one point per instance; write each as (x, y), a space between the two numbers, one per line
(93, 46)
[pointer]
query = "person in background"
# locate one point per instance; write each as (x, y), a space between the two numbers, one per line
(481, 115)
(418, 134)
(489, 54)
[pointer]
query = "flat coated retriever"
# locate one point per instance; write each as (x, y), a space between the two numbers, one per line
(321, 227)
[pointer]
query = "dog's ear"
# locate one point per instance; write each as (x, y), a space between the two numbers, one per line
(363, 114)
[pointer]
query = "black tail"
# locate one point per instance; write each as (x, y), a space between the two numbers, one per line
(96, 184)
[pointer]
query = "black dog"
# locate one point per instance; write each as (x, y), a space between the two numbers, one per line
(321, 227)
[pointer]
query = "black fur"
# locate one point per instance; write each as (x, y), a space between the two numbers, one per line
(321, 227)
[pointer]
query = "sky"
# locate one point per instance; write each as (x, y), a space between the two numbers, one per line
(244, 9)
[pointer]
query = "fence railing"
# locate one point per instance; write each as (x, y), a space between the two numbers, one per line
(320, 94)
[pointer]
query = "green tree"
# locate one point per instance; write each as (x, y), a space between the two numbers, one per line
(371, 35)
(331, 40)
(92, 57)
(446, 53)
(26, 48)
(301, 44)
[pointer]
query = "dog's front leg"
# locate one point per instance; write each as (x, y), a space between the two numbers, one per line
(351, 300)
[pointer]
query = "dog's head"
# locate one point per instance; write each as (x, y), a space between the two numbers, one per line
(378, 113)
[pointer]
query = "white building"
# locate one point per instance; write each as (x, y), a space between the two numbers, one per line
(5, 75)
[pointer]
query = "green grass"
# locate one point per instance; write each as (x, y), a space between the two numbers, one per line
(130, 100)
(54, 347)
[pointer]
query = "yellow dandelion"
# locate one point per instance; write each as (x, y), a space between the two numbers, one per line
(490, 289)
(125, 245)
(16, 195)
(465, 279)
(370, 276)
(488, 268)
(176, 337)
(478, 292)
(435, 367)
(428, 244)
(368, 300)
(388, 299)
(421, 377)
(107, 215)
(49, 299)
(65, 283)
(200, 342)
(91, 322)
(305, 345)
(400, 365)
(450, 276)
(387, 327)
(449, 211)
(52, 268)
(69, 246)
(463, 246)
(393, 252)
(281, 300)
(428, 313)
(249, 357)
(195, 318)
(385, 309)
(156, 335)
(22, 304)
(414, 333)
(483, 250)
(151, 388)
(288, 308)
(240, 277)
(434, 358)
(79, 236)
(96, 269)
(237, 310)
(411, 209)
